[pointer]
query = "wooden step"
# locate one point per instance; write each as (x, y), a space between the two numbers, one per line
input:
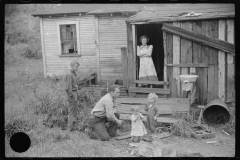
(163, 109)
(159, 119)
(159, 101)
(148, 90)
(151, 82)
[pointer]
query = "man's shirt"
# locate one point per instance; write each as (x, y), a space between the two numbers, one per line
(105, 108)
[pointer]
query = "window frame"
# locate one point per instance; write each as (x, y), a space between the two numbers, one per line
(77, 36)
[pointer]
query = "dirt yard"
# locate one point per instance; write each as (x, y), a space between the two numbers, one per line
(224, 147)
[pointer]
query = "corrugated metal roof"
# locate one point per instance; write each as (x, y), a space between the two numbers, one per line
(92, 9)
(69, 9)
(178, 12)
(131, 8)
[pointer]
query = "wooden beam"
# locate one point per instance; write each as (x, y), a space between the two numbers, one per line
(149, 90)
(197, 57)
(151, 82)
(176, 59)
(216, 43)
(169, 51)
(97, 49)
(134, 61)
(165, 58)
(205, 59)
(43, 48)
(125, 66)
(230, 63)
(200, 65)
(221, 62)
(130, 57)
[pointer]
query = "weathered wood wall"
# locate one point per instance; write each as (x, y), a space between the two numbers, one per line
(60, 65)
(112, 36)
(216, 80)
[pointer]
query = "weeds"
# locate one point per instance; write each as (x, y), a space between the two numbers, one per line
(183, 126)
(230, 127)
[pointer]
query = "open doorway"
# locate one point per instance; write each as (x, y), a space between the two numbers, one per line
(155, 34)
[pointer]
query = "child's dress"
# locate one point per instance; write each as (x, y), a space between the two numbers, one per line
(138, 128)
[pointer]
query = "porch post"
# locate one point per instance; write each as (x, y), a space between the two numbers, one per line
(131, 64)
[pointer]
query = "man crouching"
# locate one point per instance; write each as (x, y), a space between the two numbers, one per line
(104, 111)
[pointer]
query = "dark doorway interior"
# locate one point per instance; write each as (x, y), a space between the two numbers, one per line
(155, 34)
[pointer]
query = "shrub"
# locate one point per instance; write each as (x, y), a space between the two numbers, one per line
(12, 55)
(32, 50)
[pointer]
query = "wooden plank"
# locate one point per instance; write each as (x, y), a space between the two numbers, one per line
(221, 62)
(159, 119)
(97, 49)
(169, 50)
(130, 57)
(125, 66)
(197, 56)
(134, 38)
(216, 43)
(213, 61)
(186, 49)
(174, 88)
(166, 120)
(43, 48)
(176, 58)
(163, 108)
(127, 116)
(207, 56)
(159, 100)
(201, 65)
(210, 92)
(149, 90)
(214, 34)
(127, 135)
(151, 82)
(165, 59)
(230, 63)
(205, 59)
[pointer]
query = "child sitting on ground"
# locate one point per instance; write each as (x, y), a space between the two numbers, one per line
(138, 128)
(152, 112)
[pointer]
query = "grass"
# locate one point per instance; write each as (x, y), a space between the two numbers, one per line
(32, 101)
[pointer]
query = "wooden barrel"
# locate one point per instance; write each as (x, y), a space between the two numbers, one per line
(216, 113)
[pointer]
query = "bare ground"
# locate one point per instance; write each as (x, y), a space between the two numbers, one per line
(79, 145)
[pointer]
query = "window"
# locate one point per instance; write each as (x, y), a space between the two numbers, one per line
(68, 39)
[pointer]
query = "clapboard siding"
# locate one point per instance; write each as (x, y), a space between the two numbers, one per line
(218, 76)
(60, 65)
(112, 36)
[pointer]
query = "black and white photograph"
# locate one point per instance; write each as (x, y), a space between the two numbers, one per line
(119, 80)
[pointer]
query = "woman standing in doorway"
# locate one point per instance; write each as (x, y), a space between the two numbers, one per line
(147, 70)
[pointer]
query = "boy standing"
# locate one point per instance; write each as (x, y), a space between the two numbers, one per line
(152, 112)
(71, 89)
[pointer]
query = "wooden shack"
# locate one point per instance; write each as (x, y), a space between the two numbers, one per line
(187, 39)
(90, 33)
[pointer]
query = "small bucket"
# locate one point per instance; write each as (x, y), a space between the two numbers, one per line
(216, 113)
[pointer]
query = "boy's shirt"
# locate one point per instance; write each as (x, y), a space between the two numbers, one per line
(71, 83)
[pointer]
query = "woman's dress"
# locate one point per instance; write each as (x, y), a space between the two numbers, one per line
(147, 70)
